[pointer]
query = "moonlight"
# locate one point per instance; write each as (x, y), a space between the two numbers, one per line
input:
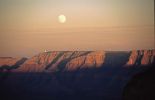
(62, 18)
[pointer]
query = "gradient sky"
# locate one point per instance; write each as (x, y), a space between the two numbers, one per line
(28, 27)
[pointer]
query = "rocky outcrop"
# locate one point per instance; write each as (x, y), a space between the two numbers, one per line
(55, 61)
(93, 59)
(141, 58)
(38, 63)
(133, 58)
(148, 57)
(7, 63)
(59, 63)
(74, 74)
(62, 60)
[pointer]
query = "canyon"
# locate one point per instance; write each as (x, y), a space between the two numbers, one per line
(51, 61)
(93, 75)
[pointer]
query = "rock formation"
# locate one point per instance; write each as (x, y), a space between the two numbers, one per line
(55, 61)
(141, 58)
(93, 59)
(8, 63)
(58, 75)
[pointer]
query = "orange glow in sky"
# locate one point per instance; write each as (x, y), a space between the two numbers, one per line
(31, 26)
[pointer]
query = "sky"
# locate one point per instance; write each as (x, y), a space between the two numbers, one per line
(28, 27)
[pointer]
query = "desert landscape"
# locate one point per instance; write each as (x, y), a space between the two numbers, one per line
(77, 50)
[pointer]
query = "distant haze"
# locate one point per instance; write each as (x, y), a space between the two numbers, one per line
(28, 27)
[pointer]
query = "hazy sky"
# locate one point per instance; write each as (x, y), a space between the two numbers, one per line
(28, 27)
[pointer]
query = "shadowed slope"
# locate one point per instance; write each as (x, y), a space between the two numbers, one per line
(141, 86)
(93, 75)
(11, 63)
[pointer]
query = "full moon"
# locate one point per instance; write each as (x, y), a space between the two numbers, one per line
(62, 18)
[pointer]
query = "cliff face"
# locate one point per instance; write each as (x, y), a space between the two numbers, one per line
(62, 60)
(93, 59)
(38, 63)
(74, 60)
(148, 57)
(8, 63)
(69, 73)
(141, 58)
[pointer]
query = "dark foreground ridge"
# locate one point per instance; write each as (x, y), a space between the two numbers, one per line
(141, 86)
(74, 75)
